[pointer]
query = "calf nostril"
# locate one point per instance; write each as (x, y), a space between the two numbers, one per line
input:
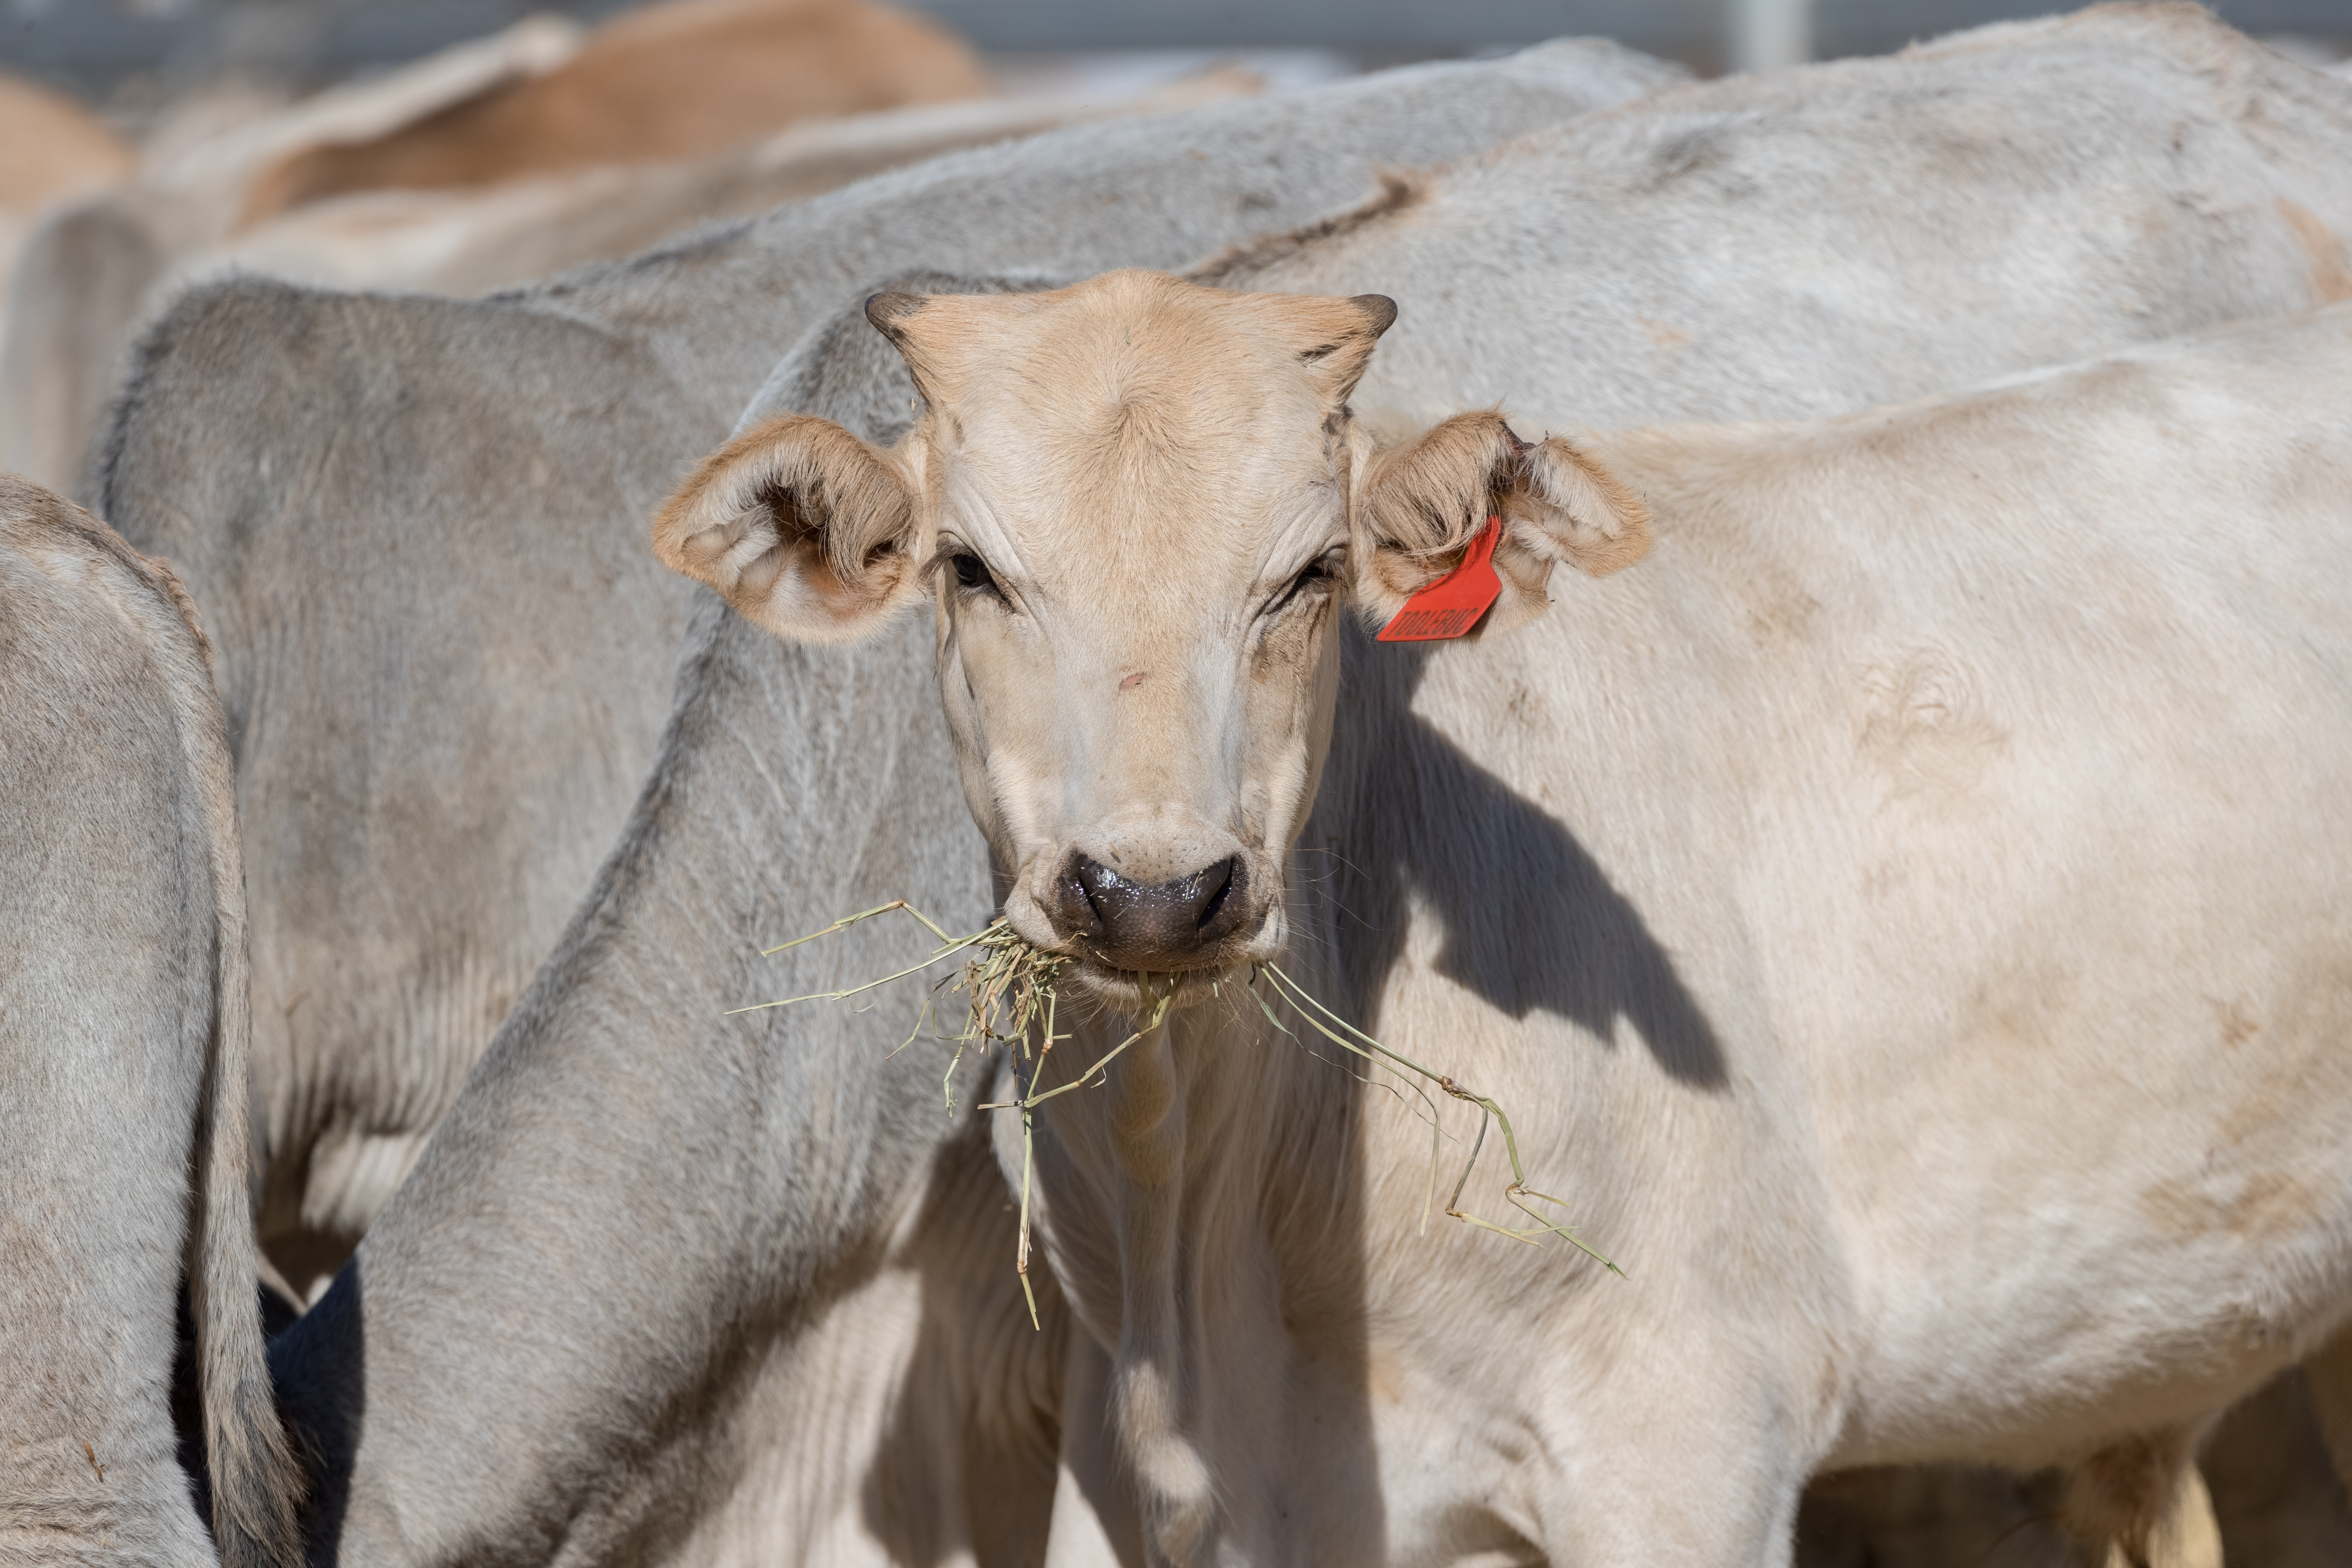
(1076, 900)
(1219, 879)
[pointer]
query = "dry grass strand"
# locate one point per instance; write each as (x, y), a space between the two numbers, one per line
(1012, 996)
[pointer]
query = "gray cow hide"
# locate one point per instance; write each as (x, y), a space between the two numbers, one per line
(414, 526)
(123, 1071)
(659, 1289)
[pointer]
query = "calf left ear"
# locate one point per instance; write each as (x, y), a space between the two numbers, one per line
(1420, 506)
(801, 526)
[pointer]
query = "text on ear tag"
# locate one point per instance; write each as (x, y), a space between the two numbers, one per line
(1451, 606)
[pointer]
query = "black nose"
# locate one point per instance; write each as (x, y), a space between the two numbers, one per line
(1135, 925)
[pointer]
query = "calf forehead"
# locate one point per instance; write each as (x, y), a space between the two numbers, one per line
(1143, 329)
(1129, 429)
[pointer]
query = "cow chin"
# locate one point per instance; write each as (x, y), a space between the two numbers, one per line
(1139, 993)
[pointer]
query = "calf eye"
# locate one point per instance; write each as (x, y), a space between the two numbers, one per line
(970, 571)
(1316, 572)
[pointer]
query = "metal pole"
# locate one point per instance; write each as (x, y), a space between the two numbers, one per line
(1766, 34)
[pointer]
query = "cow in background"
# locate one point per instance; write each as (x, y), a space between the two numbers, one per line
(88, 266)
(492, 162)
(124, 1034)
(95, 269)
(52, 150)
(659, 84)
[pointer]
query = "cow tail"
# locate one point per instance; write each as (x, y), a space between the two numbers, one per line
(256, 1486)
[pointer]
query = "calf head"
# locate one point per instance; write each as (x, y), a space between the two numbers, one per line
(1139, 505)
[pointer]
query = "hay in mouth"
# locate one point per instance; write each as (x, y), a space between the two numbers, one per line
(1012, 991)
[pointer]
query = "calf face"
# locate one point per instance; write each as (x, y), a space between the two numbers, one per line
(1139, 505)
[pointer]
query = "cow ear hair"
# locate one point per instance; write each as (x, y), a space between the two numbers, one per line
(1420, 506)
(1346, 331)
(802, 527)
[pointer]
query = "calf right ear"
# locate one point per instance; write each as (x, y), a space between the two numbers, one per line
(1420, 506)
(803, 527)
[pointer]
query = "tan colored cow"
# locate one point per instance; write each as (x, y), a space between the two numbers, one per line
(1903, 918)
(51, 150)
(680, 81)
(470, 240)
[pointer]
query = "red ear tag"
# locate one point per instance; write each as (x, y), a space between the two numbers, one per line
(1451, 606)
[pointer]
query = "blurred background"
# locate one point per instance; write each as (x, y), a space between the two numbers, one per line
(455, 146)
(131, 53)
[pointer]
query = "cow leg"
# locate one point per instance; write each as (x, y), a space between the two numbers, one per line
(1638, 1516)
(2185, 1534)
(1096, 1524)
(2140, 1503)
(2188, 1535)
(1673, 1475)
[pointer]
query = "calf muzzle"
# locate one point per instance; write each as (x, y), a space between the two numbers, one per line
(1156, 926)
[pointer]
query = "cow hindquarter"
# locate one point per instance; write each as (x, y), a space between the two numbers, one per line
(123, 1073)
(92, 1184)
